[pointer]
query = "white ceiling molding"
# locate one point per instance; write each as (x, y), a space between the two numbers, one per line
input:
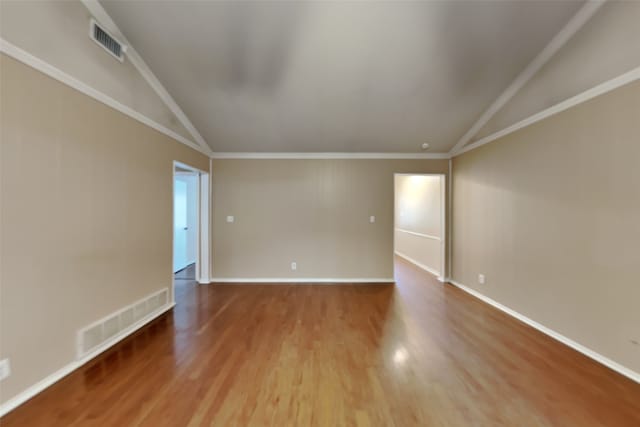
(59, 75)
(559, 40)
(102, 17)
(595, 91)
(271, 155)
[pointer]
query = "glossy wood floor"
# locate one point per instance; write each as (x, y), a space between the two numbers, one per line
(187, 273)
(416, 354)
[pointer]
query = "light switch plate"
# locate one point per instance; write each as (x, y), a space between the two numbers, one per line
(481, 279)
(294, 266)
(5, 369)
(372, 219)
(230, 218)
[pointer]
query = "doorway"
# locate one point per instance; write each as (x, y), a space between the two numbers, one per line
(419, 221)
(190, 220)
(185, 221)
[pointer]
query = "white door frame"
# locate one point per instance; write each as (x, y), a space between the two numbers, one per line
(443, 218)
(203, 260)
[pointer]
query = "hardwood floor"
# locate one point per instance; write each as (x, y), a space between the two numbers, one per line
(187, 273)
(416, 354)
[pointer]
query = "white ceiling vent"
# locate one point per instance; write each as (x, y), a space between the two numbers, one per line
(104, 39)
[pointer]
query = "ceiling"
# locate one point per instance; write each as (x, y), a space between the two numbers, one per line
(337, 76)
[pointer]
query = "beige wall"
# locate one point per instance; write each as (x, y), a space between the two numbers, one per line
(314, 212)
(551, 215)
(57, 32)
(419, 233)
(86, 204)
(606, 47)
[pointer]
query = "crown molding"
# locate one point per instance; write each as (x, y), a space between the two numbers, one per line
(342, 155)
(103, 18)
(595, 91)
(59, 75)
(578, 20)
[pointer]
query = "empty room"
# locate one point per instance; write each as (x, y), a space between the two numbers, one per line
(319, 213)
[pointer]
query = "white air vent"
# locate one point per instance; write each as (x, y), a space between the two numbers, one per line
(110, 329)
(106, 41)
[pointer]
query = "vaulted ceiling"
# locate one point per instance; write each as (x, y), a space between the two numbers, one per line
(337, 76)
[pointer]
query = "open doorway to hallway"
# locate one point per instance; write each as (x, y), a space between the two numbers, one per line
(419, 221)
(185, 223)
(190, 226)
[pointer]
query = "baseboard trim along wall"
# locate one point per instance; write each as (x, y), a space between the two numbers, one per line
(623, 370)
(46, 382)
(305, 280)
(420, 265)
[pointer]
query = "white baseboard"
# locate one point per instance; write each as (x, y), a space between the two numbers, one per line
(41, 385)
(272, 280)
(422, 266)
(623, 370)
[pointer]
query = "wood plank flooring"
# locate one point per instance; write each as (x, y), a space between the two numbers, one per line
(187, 273)
(415, 354)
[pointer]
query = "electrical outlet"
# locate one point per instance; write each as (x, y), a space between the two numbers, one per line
(481, 279)
(5, 369)
(372, 219)
(230, 218)
(294, 266)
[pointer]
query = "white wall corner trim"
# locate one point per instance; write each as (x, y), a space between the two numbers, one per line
(448, 233)
(305, 280)
(46, 382)
(203, 249)
(59, 75)
(101, 16)
(595, 91)
(328, 155)
(584, 14)
(422, 266)
(623, 370)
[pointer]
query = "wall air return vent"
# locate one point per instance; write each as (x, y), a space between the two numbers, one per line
(104, 39)
(110, 329)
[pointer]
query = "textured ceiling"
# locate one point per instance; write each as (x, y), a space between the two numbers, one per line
(337, 76)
